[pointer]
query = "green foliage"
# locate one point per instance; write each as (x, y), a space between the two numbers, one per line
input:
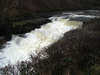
(95, 70)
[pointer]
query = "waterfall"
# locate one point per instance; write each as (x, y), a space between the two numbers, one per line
(19, 49)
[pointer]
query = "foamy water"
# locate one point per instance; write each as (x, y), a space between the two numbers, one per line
(20, 48)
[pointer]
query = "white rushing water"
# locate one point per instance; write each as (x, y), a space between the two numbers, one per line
(20, 48)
